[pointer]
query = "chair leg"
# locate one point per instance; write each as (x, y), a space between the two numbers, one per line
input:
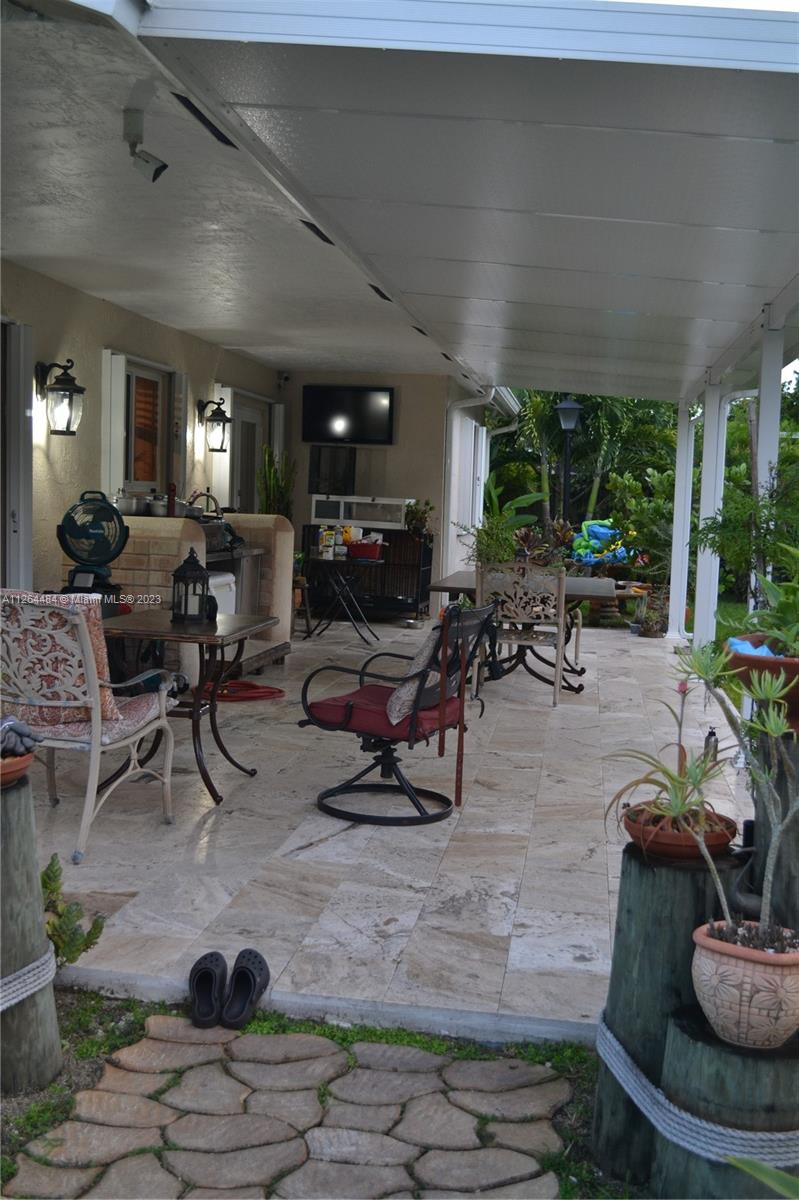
(560, 652)
(166, 782)
(89, 803)
(52, 789)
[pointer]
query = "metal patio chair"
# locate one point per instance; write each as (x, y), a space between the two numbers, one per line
(51, 650)
(386, 710)
(531, 616)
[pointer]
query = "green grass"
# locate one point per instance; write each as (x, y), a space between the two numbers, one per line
(36, 1120)
(91, 1034)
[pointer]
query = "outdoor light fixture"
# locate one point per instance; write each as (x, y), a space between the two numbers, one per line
(216, 424)
(569, 416)
(64, 397)
(133, 134)
(568, 413)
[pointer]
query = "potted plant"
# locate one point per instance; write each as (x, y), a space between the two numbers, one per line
(746, 973)
(495, 541)
(417, 519)
(275, 482)
(667, 822)
(655, 617)
(777, 628)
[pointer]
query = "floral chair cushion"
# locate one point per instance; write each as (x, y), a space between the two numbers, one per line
(133, 713)
(44, 655)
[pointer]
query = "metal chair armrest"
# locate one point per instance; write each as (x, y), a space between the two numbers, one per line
(166, 679)
(384, 654)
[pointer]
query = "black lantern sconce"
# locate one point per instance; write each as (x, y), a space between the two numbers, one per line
(64, 397)
(190, 591)
(216, 424)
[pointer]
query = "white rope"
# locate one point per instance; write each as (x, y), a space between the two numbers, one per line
(30, 979)
(705, 1138)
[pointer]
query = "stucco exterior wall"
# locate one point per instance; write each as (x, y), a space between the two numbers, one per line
(67, 323)
(413, 467)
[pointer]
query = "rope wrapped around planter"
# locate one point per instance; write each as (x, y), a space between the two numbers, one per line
(27, 980)
(714, 1142)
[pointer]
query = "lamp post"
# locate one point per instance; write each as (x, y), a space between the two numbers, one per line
(569, 416)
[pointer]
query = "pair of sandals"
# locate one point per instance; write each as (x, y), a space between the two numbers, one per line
(215, 1000)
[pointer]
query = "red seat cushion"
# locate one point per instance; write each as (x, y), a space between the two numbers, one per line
(369, 717)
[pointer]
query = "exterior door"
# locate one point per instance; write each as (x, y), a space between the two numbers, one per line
(251, 432)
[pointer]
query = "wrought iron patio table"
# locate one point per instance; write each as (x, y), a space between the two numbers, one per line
(212, 639)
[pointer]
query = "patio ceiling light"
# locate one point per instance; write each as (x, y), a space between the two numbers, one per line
(568, 413)
(64, 397)
(216, 424)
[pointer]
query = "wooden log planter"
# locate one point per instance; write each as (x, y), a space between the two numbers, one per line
(660, 904)
(28, 1029)
(730, 1086)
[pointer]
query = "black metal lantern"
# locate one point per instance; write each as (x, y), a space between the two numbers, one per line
(216, 425)
(64, 397)
(190, 590)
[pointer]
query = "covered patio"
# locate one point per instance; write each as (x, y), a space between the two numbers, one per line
(495, 924)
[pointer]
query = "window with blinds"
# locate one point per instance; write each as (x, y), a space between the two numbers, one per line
(146, 405)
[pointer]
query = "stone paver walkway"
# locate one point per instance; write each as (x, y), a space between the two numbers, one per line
(295, 1116)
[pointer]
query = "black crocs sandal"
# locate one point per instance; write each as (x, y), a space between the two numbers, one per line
(248, 982)
(207, 980)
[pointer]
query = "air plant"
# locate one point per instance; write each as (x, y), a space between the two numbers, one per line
(763, 743)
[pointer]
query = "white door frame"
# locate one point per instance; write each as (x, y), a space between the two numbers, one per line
(18, 483)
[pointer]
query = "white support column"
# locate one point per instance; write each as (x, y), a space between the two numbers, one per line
(714, 449)
(768, 415)
(681, 531)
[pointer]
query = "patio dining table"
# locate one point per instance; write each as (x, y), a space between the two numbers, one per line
(212, 639)
(578, 589)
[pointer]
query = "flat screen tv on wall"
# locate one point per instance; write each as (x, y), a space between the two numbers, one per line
(362, 415)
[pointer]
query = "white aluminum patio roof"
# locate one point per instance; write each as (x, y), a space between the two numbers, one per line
(561, 223)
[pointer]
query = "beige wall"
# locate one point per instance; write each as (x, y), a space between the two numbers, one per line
(413, 467)
(69, 324)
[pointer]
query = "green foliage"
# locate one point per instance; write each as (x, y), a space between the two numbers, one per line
(507, 513)
(275, 483)
(417, 518)
(780, 1182)
(63, 920)
(750, 531)
(643, 509)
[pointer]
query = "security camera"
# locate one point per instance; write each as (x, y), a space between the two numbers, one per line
(148, 164)
(283, 378)
(133, 134)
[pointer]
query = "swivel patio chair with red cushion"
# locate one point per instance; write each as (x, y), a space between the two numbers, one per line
(386, 710)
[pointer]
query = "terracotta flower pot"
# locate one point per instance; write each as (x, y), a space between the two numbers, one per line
(746, 664)
(13, 767)
(750, 998)
(671, 843)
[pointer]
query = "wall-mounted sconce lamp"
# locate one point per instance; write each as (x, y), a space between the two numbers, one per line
(64, 397)
(216, 424)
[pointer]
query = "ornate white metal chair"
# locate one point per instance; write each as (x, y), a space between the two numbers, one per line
(51, 650)
(531, 616)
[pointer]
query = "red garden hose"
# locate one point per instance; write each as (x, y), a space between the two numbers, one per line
(244, 689)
